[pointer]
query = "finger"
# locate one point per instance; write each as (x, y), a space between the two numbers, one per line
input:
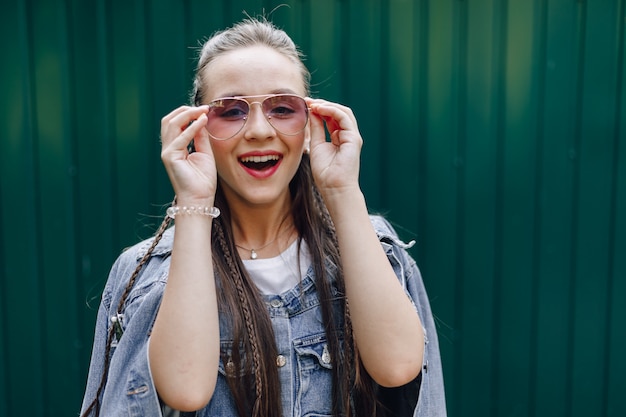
(166, 121)
(178, 121)
(331, 126)
(193, 130)
(320, 102)
(181, 120)
(201, 140)
(318, 132)
(336, 116)
(173, 113)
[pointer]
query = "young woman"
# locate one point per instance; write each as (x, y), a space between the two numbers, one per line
(276, 293)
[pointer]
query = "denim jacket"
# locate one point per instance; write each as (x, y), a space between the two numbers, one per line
(304, 362)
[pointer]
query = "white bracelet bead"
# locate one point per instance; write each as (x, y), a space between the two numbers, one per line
(174, 211)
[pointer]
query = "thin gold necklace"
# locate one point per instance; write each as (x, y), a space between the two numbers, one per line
(253, 252)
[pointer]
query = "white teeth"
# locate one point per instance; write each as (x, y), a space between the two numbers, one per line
(257, 159)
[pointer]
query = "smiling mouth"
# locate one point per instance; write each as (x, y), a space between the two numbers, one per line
(259, 163)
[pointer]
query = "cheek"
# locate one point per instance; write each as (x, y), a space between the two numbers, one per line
(298, 152)
(303, 141)
(221, 149)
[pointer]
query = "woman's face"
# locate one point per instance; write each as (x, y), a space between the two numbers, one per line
(255, 71)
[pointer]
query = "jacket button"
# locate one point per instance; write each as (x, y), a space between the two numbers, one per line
(230, 368)
(276, 303)
(281, 361)
(326, 355)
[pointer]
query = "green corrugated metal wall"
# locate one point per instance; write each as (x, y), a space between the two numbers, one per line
(494, 135)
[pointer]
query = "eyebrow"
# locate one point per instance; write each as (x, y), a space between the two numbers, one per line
(277, 91)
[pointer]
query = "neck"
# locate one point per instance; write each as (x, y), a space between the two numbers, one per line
(264, 229)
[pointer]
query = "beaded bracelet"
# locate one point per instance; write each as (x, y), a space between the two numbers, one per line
(173, 211)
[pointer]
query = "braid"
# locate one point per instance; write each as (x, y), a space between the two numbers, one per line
(143, 261)
(351, 362)
(245, 307)
(95, 404)
(344, 375)
(353, 381)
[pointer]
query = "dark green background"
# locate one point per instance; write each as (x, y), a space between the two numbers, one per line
(494, 135)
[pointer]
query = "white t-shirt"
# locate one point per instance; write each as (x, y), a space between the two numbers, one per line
(276, 275)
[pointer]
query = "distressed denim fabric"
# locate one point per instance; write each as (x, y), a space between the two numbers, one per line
(304, 361)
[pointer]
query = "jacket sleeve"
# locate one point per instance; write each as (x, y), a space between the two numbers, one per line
(96, 366)
(429, 386)
(129, 389)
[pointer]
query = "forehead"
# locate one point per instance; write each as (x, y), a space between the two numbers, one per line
(251, 71)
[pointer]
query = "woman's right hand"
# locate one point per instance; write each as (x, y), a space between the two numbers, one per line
(184, 349)
(193, 175)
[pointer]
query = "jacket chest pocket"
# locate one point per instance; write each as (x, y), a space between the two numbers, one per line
(314, 389)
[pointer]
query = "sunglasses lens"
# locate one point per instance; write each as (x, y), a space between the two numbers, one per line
(226, 117)
(287, 113)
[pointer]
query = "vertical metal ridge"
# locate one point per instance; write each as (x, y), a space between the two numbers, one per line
(384, 76)
(421, 99)
(459, 159)
(30, 91)
(575, 153)
(500, 23)
(77, 242)
(4, 357)
(147, 81)
(540, 57)
(105, 48)
(305, 31)
(77, 264)
(4, 334)
(188, 34)
(344, 41)
(70, 150)
(612, 238)
(458, 80)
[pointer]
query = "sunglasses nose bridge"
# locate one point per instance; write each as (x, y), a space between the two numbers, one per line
(260, 103)
(264, 111)
(250, 116)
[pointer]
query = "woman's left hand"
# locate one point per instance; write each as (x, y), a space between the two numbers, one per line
(335, 164)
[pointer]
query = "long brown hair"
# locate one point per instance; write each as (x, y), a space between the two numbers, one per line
(251, 372)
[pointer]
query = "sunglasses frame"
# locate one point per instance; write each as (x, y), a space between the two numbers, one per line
(260, 102)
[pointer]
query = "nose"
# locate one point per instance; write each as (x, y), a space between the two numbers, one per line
(257, 126)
